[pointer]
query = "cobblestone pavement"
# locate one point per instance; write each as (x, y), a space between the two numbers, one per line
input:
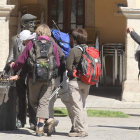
(99, 129)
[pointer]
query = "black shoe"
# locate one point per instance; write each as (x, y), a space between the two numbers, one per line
(72, 129)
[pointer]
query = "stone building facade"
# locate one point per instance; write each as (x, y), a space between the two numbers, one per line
(9, 19)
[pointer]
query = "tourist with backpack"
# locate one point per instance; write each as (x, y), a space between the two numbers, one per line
(63, 40)
(84, 68)
(43, 60)
(78, 90)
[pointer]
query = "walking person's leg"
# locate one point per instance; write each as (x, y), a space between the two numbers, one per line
(65, 99)
(43, 107)
(51, 115)
(21, 91)
(64, 94)
(85, 92)
(32, 114)
(39, 99)
(51, 106)
(76, 98)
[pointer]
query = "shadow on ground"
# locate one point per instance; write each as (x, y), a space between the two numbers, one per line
(120, 127)
(113, 92)
(19, 131)
(61, 133)
(134, 115)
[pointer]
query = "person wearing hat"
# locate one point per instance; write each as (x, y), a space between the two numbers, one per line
(16, 48)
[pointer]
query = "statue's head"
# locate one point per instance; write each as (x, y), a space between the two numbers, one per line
(28, 22)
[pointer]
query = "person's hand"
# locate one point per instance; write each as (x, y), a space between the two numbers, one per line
(2, 74)
(16, 77)
(129, 30)
(72, 74)
(12, 64)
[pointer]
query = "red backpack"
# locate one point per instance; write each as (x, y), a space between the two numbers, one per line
(91, 65)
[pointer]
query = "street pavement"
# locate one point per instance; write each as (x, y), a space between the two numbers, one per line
(99, 128)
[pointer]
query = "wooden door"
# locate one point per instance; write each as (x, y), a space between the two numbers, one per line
(68, 14)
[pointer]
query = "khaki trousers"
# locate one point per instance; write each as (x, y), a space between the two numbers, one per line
(64, 95)
(78, 94)
(39, 94)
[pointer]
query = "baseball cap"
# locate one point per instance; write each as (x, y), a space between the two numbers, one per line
(26, 35)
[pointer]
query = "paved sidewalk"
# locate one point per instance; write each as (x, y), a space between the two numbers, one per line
(94, 101)
(105, 97)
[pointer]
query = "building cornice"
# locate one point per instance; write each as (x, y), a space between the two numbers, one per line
(5, 10)
(131, 13)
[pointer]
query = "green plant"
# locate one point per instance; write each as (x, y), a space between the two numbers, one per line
(93, 113)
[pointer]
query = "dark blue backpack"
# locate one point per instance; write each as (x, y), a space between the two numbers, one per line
(63, 40)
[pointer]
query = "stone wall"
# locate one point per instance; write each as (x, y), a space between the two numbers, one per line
(4, 33)
(13, 23)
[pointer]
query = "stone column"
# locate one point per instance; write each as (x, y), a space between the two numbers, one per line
(4, 32)
(131, 87)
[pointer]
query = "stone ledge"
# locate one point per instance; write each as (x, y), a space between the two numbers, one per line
(131, 13)
(6, 9)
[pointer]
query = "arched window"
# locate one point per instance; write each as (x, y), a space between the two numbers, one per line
(68, 14)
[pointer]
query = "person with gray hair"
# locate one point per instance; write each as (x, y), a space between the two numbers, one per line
(16, 48)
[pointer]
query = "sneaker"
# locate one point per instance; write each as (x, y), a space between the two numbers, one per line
(32, 126)
(19, 124)
(50, 126)
(39, 131)
(77, 134)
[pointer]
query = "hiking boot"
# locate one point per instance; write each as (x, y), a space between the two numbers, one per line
(32, 126)
(50, 126)
(77, 134)
(39, 131)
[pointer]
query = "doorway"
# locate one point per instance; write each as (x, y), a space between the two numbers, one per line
(68, 14)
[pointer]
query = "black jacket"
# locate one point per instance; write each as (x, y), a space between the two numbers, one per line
(135, 37)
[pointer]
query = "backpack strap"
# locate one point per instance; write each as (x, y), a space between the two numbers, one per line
(34, 65)
(81, 48)
(139, 69)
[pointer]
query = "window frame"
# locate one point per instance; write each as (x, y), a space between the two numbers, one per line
(66, 14)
